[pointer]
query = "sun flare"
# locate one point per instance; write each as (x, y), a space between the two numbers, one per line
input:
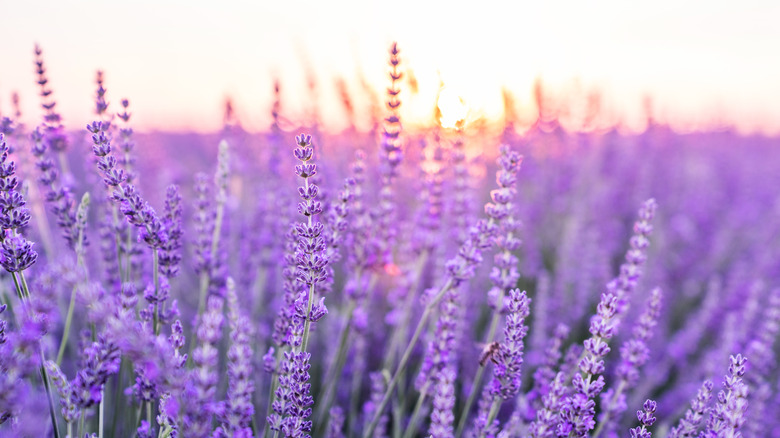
(453, 108)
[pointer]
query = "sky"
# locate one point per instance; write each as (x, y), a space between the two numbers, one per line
(700, 63)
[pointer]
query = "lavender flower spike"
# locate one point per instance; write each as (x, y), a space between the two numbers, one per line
(729, 414)
(137, 211)
(170, 251)
(390, 157)
(197, 419)
(506, 372)
(310, 252)
(646, 418)
(579, 408)
(292, 406)
(689, 424)
(634, 354)
(14, 214)
(239, 409)
(16, 253)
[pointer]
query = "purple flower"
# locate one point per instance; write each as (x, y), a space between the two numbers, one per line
(101, 106)
(504, 275)
(204, 224)
(442, 417)
(390, 157)
(292, 405)
(311, 244)
(646, 418)
(634, 354)
(63, 205)
(547, 418)
(287, 328)
(55, 133)
(167, 418)
(310, 253)
(577, 415)
(69, 409)
(729, 414)
(137, 211)
(14, 214)
(170, 251)
(506, 372)
(201, 404)
(101, 360)
(545, 374)
(177, 341)
(441, 350)
(689, 424)
(378, 386)
(239, 408)
(16, 253)
(126, 144)
(336, 423)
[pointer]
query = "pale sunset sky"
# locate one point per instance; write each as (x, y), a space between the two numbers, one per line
(703, 63)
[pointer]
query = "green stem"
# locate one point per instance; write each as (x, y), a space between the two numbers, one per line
(50, 399)
(397, 413)
(101, 406)
(19, 291)
(357, 379)
(415, 419)
(117, 395)
(307, 319)
(491, 415)
(333, 375)
(405, 358)
(401, 331)
(80, 430)
(24, 284)
(612, 401)
(72, 305)
(138, 413)
(66, 330)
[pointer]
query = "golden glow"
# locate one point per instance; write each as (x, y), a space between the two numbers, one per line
(452, 107)
(703, 63)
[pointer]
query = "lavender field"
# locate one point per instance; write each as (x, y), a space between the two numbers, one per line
(390, 282)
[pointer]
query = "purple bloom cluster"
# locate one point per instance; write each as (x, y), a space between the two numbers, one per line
(202, 405)
(137, 211)
(690, 423)
(506, 373)
(170, 250)
(54, 130)
(483, 235)
(292, 406)
(391, 155)
(646, 418)
(728, 416)
(578, 409)
(238, 410)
